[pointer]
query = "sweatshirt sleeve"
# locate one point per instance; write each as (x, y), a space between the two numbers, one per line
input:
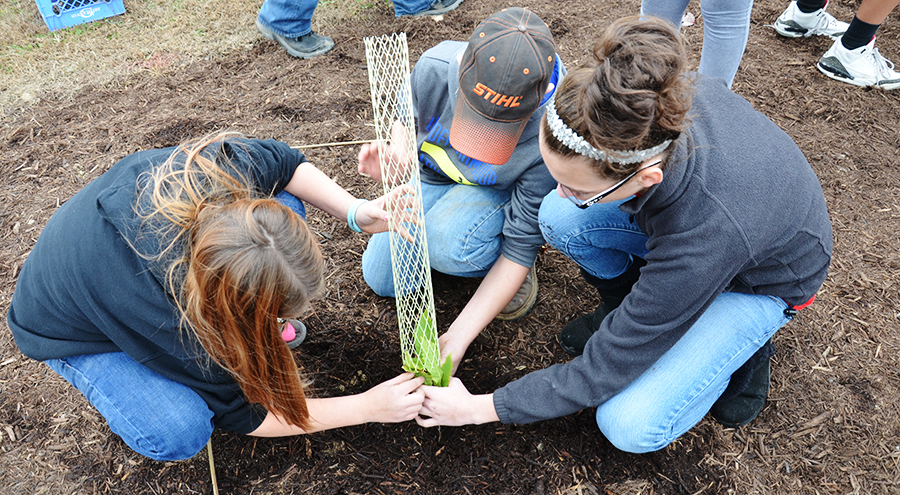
(672, 293)
(522, 237)
(269, 164)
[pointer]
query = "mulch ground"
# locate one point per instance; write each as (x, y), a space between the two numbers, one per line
(832, 424)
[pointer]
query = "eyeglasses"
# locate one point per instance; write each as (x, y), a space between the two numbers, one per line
(595, 199)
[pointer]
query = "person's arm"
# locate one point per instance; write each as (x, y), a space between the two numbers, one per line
(496, 291)
(396, 400)
(314, 187)
(455, 406)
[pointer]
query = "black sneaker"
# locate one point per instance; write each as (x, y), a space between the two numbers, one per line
(741, 405)
(440, 7)
(575, 335)
(306, 46)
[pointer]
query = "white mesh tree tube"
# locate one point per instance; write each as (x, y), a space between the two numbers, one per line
(388, 62)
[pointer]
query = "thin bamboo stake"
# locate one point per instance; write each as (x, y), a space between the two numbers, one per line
(212, 468)
(323, 145)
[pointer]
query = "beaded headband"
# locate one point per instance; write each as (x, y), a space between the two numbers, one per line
(576, 143)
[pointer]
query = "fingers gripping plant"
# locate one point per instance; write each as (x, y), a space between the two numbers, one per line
(388, 62)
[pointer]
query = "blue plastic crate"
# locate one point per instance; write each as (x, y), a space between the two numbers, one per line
(59, 14)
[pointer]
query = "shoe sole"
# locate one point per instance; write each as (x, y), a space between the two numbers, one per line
(568, 350)
(832, 68)
(300, 329)
(793, 30)
(789, 30)
(269, 35)
(529, 303)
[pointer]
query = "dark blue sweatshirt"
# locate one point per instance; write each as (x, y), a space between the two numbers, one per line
(85, 290)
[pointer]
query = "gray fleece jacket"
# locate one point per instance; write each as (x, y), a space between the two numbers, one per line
(435, 83)
(739, 209)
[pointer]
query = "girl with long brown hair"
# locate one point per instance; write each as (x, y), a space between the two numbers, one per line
(702, 227)
(158, 288)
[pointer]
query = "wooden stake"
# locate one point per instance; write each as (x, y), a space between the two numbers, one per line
(323, 145)
(212, 468)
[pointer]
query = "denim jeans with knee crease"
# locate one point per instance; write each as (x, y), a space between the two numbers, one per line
(726, 25)
(157, 417)
(679, 389)
(462, 225)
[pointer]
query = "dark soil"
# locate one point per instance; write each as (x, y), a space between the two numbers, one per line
(832, 424)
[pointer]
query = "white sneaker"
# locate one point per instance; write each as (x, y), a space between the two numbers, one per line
(863, 66)
(793, 23)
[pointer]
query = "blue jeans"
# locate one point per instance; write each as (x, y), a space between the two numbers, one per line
(680, 388)
(288, 18)
(463, 225)
(293, 18)
(410, 7)
(726, 25)
(155, 416)
(292, 202)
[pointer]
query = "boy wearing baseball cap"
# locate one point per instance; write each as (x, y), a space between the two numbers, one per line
(478, 107)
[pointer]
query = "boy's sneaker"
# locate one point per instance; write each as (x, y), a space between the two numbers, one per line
(306, 46)
(524, 299)
(863, 66)
(440, 7)
(793, 23)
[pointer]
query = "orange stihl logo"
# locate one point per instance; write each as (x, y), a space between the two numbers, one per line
(495, 97)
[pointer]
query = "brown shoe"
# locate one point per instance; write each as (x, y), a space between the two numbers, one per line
(523, 300)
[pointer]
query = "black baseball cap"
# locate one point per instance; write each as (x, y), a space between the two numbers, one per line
(503, 76)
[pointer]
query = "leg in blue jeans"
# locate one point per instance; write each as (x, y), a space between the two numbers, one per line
(679, 389)
(410, 7)
(462, 225)
(726, 26)
(156, 417)
(288, 18)
(601, 239)
(667, 10)
(292, 202)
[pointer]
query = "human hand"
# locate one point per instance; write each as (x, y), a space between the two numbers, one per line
(453, 405)
(372, 216)
(399, 154)
(454, 347)
(396, 400)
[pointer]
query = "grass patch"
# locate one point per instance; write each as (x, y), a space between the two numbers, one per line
(151, 35)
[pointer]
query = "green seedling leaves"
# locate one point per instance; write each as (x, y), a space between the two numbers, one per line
(446, 370)
(426, 363)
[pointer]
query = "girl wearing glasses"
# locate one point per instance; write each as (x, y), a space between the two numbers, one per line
(702, 226)
(157, 289)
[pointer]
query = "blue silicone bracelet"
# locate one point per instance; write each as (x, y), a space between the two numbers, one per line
(351, 214)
